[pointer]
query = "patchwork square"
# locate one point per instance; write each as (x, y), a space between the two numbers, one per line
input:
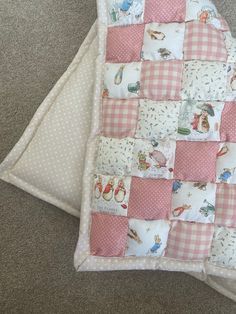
(230, 43)
(193, 201)
(106, 232)
(152, 159)
(204, 42)
(226, 205)
(204, 80)
(228, 126)
(201, 10)
(189, 241)
(114, 157)
(150, 199)
(226, 164)
(164, 11)
(147, 238)
(111, 194)
(157, 120)
(163, 41)
(119, 117)
(122, 80)
(224, 247)
(200, 121)
(231, 82)
(124, 44)
(196, 161)
(161, 80)
(125, 12)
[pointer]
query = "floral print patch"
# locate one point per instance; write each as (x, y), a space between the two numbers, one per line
(193, 201)
(122, 80)
(231, 82)
(224, 247)
(230, 43)
(157, 120)
(204, 80)
(153, 159)
(111, 194)
(123, 12)
(226, 164)
(200, 121)
(147, 238)
(163, 41)
(114, 156)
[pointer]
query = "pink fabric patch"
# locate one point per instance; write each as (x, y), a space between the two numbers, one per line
(119, 117)
(161, 80)
(165, 11)
(204, 42)
(196, 161)
(150, 199)
(228, 125)
(189, 241)
(108, 235)
(226, 205)
(124, 44)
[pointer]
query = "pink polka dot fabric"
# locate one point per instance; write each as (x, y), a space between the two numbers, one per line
(150, 199)
(108, 235)
(165, 11)
(228, 123)
(196, 161)
(124, 44)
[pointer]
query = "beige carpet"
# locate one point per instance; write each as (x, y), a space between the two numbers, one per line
(38, 41)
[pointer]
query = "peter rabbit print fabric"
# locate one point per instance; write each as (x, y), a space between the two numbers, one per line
(160, 178)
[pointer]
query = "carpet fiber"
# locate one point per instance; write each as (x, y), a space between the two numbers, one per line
(38, 41)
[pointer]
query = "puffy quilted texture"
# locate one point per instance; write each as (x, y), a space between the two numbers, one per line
(164, 150)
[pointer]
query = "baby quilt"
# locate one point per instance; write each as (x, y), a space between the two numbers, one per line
(159, 184)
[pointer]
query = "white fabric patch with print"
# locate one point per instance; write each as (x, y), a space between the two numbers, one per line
(193, 201)
(124, 12)
(200, 121)
(204, 80)
(111, 194)
(163, 41)
(231, 82)
(226, 164)
(230, 43)
(152, 159)
(147, 238)
(157, 120)
(202, 10)
(114, 156)
(224, 247)
(122, 80)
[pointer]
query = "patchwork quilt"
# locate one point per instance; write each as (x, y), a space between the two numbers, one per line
(160, 178)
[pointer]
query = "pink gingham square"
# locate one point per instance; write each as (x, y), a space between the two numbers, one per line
(226, 205)
(189, 241)
(165, 11)
(108, 235)
(161, 80)
(150, 199)
(119, 117)
(124, 44)
(228, 125)
(204, 42)
(196, 161)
